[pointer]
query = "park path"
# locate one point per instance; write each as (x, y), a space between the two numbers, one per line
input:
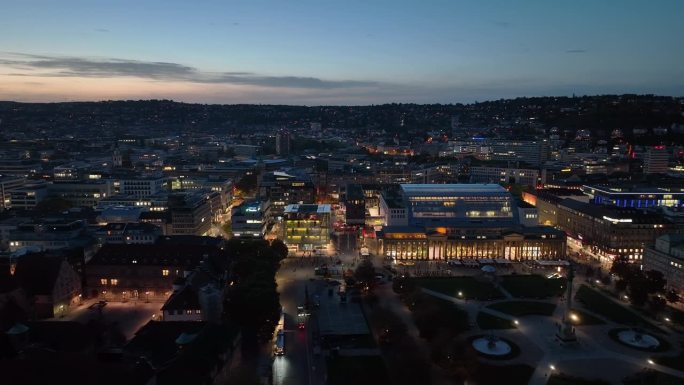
(541, 331)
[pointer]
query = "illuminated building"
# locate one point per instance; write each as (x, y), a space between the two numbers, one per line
(667, 256)
(462, 221)
(636, 196)
(306, 227)
(249, 219)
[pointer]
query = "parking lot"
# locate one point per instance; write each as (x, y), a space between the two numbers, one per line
(128, 317)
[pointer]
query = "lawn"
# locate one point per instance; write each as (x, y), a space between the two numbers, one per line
(432, 315)
(357, 370)
(533, 286)
(562, 379)
(676, 362)
(469, 287)
(487, 321)
(523, 308)
(600, 304)
(504, 374)
(585, 318)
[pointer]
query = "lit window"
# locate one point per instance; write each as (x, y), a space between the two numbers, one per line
(165, 272)
(103, 281)
(114, 281)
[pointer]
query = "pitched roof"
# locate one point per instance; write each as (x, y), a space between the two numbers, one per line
(160, 254)
(37, 273)
(184, 299)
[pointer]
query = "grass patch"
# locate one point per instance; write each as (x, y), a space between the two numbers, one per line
(586, 318)
(600, 304)
(433, 315)
(360, 341)
(533, 286)
(488, 321)
(509, 375)
(468, 286)
(563, 379)
(523, 308)
(674, 362)
(357, 370)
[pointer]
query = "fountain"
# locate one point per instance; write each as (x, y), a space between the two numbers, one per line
(492, 346)
(638, 339)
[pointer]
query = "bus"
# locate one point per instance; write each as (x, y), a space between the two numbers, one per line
(279, 348)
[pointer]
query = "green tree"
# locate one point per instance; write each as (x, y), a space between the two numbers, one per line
(656, 281)
(365, 272)
(672, 296)
(279, 249)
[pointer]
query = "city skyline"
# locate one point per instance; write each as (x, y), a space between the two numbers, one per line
(352, 53)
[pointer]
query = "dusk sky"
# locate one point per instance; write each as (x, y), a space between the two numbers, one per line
(337, 52)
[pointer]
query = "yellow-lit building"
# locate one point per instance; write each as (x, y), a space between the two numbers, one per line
(306, 227)
(521, 243)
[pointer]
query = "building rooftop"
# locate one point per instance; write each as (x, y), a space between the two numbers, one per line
(614, 214)
(677, 189)
(308, 209)
(456, 188)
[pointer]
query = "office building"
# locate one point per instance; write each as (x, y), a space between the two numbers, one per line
(606, 233)
(143, 186)
(307, 226)
(249, 219)
(451, 205)
(523, 176)
(28, 196)
(656, 160)
(82, 194)
(636, 196)
(667, 257)
(190, 214)
(283, 142)
(7, 185)
(282, 189)
(462, 221)
(532, 152)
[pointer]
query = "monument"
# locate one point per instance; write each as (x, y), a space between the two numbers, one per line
(566, 332)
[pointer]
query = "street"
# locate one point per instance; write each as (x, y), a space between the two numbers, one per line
(299, 364)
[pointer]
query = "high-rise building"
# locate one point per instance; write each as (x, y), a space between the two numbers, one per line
(283, 142)
(533, 152)
(117, 158)
(655, 160)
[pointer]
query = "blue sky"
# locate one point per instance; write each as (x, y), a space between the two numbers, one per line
(337, 52)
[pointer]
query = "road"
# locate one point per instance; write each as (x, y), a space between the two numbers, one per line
(296, 276)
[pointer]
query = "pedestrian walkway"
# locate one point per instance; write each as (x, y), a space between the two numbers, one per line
(541, 331)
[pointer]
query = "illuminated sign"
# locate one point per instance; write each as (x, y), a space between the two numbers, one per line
(614, 220)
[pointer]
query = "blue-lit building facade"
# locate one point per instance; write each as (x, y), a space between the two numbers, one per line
(464, 221)
(639, 197)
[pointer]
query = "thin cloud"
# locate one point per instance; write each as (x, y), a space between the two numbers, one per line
(103, 30)
(56, 66)
(576, 51)
(502, 23)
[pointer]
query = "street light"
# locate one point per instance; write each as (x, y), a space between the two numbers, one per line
(552, 367)
(574, 317)
(650, 362)
(460, 294)
(516, 322)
